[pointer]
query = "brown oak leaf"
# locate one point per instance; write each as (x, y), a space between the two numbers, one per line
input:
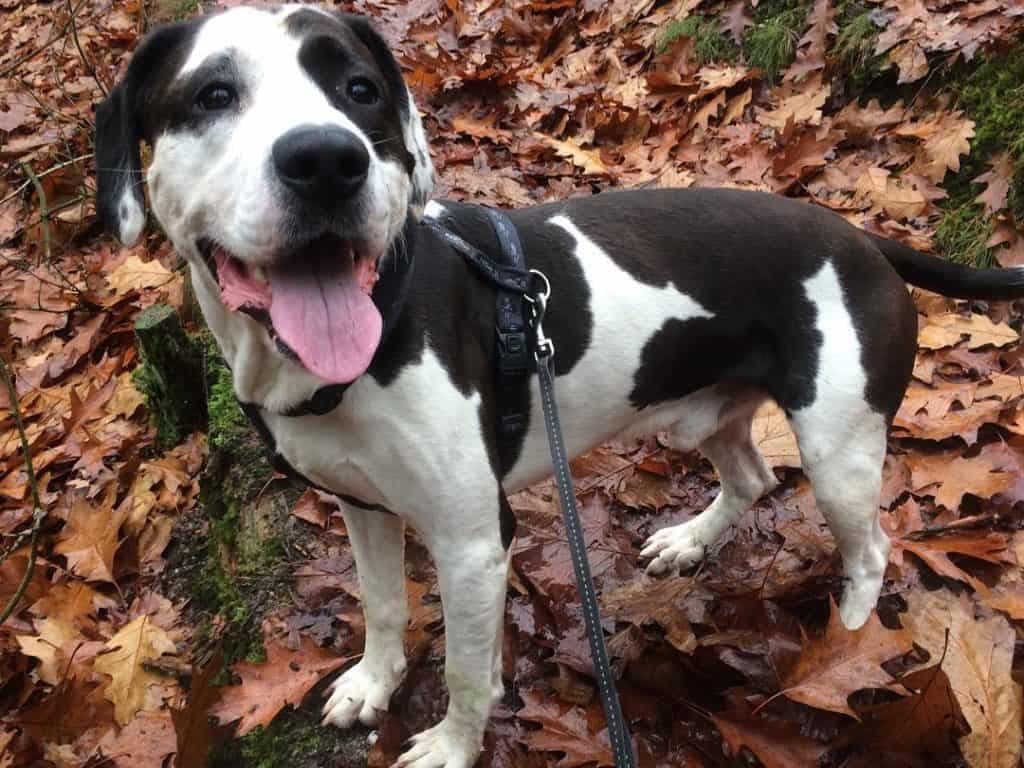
(135, 644)
(843, 661)
(977, 656)
(284, 678)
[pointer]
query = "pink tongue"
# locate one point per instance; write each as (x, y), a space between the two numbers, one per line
(326, 318)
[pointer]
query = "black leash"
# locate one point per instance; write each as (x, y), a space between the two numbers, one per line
(618, 729)
(515, 289)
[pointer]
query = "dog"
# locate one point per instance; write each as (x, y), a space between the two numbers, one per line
(290, 168)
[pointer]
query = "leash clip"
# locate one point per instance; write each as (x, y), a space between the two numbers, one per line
(543, 347)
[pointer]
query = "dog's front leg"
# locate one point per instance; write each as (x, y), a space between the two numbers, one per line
(362, 692)
(472, 567)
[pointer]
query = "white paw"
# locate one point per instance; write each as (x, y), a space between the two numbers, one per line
(362, 693)
(443, 746)
(860, 596)
(675, 548)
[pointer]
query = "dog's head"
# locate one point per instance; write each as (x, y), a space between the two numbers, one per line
(287, 155)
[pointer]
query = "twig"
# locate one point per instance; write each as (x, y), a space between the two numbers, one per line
(37, 507)
(25, 185)
(78, 45)
(44, 213)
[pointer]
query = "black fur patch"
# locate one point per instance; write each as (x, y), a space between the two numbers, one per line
(339, 47)
(138, 108)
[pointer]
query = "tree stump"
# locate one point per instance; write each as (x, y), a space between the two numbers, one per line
(171, 376)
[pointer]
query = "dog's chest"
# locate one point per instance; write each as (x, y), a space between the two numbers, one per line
(392, 445)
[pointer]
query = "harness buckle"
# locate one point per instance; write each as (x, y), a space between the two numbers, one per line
(512, 353)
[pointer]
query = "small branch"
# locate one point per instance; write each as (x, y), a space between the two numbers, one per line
(25, 185)
(37, 507)
(78, 45)
(44, 213)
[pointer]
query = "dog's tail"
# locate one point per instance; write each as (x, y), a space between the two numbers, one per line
(948, 278)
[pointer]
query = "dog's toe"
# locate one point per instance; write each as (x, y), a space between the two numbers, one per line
(674, 549)
(359, 694)
(443, 746)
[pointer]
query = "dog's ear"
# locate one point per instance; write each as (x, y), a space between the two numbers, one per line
(120, 126)
(422, 169)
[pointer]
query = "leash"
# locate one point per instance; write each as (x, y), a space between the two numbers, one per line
(515, 288)
(544, 352)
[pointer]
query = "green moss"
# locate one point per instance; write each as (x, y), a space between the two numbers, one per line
(169, 375)
(710, 42)
(962, 233)
(854, 46)
(293, 739)
(770, 44)
(992, 94)
(244, 566)
(228, 425)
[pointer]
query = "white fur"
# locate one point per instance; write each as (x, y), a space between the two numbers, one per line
(131, 217)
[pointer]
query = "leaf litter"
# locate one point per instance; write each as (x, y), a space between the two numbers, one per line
(529, 101)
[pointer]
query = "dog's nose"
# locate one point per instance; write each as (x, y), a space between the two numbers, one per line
(320, 163)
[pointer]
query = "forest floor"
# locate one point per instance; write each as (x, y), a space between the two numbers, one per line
(187, 606)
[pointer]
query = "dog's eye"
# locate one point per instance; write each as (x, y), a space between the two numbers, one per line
(362, 91)
(216, 97)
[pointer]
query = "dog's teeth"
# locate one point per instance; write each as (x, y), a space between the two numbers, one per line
(259, 273)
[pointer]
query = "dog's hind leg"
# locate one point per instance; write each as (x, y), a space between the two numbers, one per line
(472, 571)
(842, 449)
(363, 692)
(745, 477)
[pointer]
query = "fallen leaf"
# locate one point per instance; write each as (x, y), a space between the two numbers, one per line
(949, 328)
(775, 744)
(135, 644)
(48, 647)
(133, 274)
(977, 656)
(90, 540)
(844, 661)
(145, 741)
(284, 678)
(984, 476)
(578, 733)
(587, 159)
(998, 183)
(774, 437)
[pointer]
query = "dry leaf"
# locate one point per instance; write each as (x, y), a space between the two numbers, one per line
(948, 329)
(774, 437)
(844, 661)
(134, 645)
(284, 678)
(977, 656)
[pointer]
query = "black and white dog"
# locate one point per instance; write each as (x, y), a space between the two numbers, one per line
(289, 166)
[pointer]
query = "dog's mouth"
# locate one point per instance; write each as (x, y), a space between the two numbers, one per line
(315, 302)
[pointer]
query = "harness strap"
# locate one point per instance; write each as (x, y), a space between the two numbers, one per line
(512, 348)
